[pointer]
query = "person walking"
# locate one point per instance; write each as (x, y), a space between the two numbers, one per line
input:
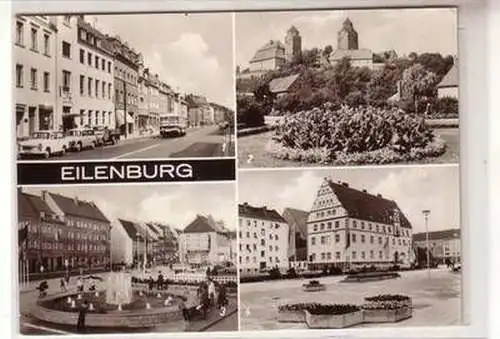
(80, 325)
(63, 285)
(211, 292)
(222, 300)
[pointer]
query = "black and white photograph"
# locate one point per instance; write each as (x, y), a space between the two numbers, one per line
(359, 247)
(127, 259)
(124, 86)
(347, 87)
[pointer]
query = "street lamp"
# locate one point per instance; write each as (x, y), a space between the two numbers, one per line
(426, 217)
(137, 248)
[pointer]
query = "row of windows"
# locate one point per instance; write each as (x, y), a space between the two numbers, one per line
(34, 35)
(95, 88)
(354, 255)
(34, 81)
(125, 75)
(362, 226)
(37, 244)
(249, 223)
(90, 59)
(87, 225)
(95, 118)
(262, 234)
(325, 239)
(254, 260)
(131, 97)
(57, 232)
(249, 248)
(323, 214)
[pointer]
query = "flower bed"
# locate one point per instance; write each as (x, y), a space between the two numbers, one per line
(294, 312)
(370, 276)
(351, 136)
(387, 308)
(313, 286)
(333, 316)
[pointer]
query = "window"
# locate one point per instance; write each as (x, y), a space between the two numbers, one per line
(103, 93)
(354, 255)
(315, 227)
(363, 238)
(313, 241)
(82, 56)
(329, 224)
(380, 254)
(380, 240)
(383, 229)
(97, 88)
(46, 44)
(322, 226)
(96, 62)
(337, 224)
(337, 255)
(66, 80)
(46, 82)
(248, 234)
(109, 66)
(19, 33)
(322, 240)
(337, 237)
(19, 76)
(276, 248)
(34, 39)
(262, 254)
(371, 239)
(369, 227)
(276, 237)
(255, 247)
(376, 228)
(270, 248)
(371, 254)
(89, 58)
(363, 255)
(353, 237)
(262, 242)
(329, 256)
(33, 79)
(389, 229)
(82, 84)
(393, 241)
(89, 85)
(66, 49)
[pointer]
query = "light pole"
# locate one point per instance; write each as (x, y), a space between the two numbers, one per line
(426, 217)
(137, 249)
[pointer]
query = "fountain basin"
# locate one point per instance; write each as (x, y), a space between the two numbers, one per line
(54, 309)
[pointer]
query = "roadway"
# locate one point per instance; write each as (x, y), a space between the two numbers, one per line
(201, 142)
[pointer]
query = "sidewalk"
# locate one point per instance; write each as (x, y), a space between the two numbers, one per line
(213, 317)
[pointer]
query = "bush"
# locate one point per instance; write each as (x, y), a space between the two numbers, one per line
(274, 273)
(313, 283)
(333, 309)
(250, 111)
(388, 297)
(335, 271)
(446, 106)
(291, 273)
(297, 307)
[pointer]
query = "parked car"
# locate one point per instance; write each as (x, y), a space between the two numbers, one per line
(80, 138)
(44, 143)
(106, 136)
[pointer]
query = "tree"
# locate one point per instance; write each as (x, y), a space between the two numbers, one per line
(418, 84)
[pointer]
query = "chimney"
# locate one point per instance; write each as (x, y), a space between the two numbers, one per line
(45, 195)
(364, 191)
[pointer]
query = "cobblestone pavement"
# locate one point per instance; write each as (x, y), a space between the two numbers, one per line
(436, 301)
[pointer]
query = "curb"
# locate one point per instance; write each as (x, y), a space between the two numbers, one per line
(207, 326)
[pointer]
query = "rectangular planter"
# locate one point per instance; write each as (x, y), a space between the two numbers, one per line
(387, 316)
(291, 316)
(334, 321)
(318, 288)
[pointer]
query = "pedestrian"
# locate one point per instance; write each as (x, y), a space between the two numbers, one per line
(80, 325)
(222, 300)
(79, 285)
(63, 285)
(205, 302)
(211, 292)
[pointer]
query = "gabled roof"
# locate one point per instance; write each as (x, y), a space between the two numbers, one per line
(152, 228)
(438, 235)
(202, 224)
(279, 85)
(272, 50)
(353, 54)
(297, 219)
(263, 213)
(30, 206)
(451, 78)
(365, 206)
(133, 230)
(78, 208)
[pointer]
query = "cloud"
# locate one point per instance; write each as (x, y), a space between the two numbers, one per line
(301, 191)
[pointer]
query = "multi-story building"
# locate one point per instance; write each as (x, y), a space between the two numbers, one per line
(297, 222)
(181, 109)
(128, 242)
(126, 78)
(149, 99)
(167, 245)
(204, 243)
(198, 114)
(34, 55)
(349, 228)
(443, 245)
(263, 239)
(85, 64)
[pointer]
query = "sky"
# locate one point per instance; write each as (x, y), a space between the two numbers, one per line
(174, 204)
(404, 30)
(192, 53)
(414, 189)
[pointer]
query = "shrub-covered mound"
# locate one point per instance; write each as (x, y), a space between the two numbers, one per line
(350, 136)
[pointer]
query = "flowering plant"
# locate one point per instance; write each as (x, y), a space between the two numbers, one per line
(333, 309)
(297, 307)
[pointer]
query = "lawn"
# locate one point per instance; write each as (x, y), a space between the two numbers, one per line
(255, 145)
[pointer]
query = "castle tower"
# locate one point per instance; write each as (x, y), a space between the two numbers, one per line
(347, 36)
(293, 43)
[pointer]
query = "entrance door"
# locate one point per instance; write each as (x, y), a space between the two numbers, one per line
(31, 120)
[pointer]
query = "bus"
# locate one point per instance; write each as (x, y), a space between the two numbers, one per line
(172, 125)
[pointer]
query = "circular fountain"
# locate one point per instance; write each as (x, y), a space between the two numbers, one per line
(117, 304)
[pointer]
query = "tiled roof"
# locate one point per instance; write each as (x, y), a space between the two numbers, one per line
(31, 206)
(354, 54)
(78, 208)
(202, 224)
(262, 213)
(132, 229)
(296, 219)
(438, 235)
(153, 229)
(365, 206)
(279, 85)
(272, 50)
(451, 78)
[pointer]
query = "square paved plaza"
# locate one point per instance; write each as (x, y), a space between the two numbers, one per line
(436, 301)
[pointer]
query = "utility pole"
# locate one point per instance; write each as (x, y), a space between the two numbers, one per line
(125, 114)
(426, 216)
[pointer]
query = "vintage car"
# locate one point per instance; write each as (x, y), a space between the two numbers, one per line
(81, 138)
(106, 136)
(44, 143)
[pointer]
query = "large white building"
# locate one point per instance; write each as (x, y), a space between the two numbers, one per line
(206, 242)
(349, 228)
(34, 54)
(443, 245)
(263, 239)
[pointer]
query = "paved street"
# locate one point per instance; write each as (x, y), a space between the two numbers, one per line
(200, 142)
(227, 324)
(436, 301)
